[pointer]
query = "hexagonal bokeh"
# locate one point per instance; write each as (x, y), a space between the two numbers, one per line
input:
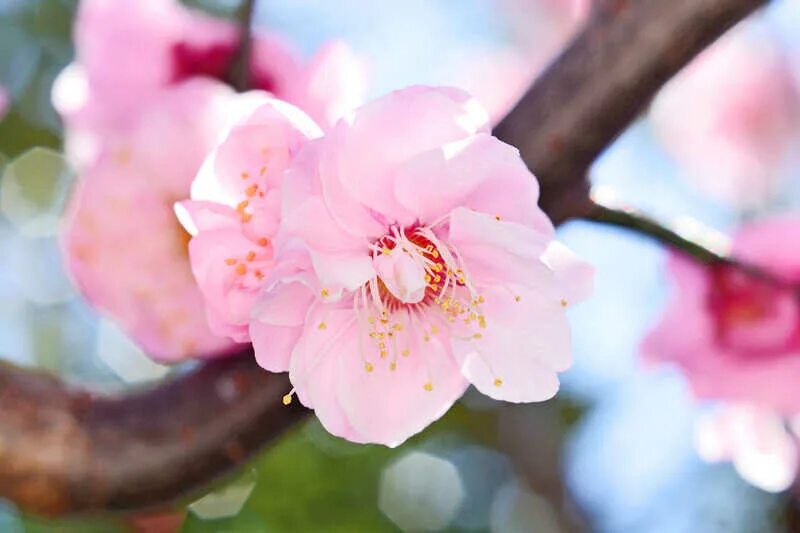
(34, 191)
(227, 501)
(421, 492)
(515, 509)
(124, 357)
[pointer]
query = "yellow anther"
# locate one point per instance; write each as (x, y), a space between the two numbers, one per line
(406, 352)
(517, 298)
(393, 366)
(427, 338)
(259, 275)
(287, 399)
(230, 261)
(368, 367)
(384, 354)
(434, 330)
(477, 336)
(263, 241)
(564, 302)
(251, 255)
(262, 171)
(497, 218)
(245, 175)
(247, 217)
(241, 269)
(398, 327)
(324, 293)
(428, 387)
(481, 299)
(251, 190)
(322, 325)
(498, 382)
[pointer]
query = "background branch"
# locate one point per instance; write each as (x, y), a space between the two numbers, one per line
(643, 225)
(239, 76)
(65, 451)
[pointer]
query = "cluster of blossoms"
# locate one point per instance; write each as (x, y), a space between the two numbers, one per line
(138, 136)
(738, 343)
(386, 264)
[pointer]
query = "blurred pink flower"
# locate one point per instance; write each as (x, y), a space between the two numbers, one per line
(143, 105)
(731, 118)
(738, 336)
(413, 260)
(736, 339)
(168, 44)
(235, 212)
(757, 441)
(123, 246)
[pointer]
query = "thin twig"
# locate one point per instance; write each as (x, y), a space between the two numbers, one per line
(239, 76)
(643, 225)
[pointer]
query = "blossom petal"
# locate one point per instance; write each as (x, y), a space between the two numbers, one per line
(525, 342)
(496, 251)
(479, 172)
(388, 406)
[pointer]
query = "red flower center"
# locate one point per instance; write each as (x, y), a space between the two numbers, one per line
(213, 61)
(753, 317)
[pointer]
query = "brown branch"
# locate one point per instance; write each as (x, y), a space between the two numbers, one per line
(64, 451)
(601, 83)
(239, 76)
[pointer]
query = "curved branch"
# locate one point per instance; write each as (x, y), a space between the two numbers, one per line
(65, 451)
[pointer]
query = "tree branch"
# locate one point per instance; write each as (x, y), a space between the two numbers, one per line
(65, 451)
(239, 76)
(638, 223)
(601, 83)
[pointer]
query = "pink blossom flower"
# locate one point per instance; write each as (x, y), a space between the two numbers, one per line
(738, 335)
(170, 44)
(138, 137)
(736, 339)
(731, 118)
(413, 260)
(123, 246)
(757, 441)
(235, 210)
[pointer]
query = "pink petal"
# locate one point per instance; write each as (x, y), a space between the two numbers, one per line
(277, 322)
(496, 251)
(525, 342)
(574, 275)
(388, 406)
(367, 175)
(313, 368)
(480, 172)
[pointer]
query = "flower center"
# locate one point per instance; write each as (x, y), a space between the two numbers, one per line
(754, 318)
(214, 61)
(421, 288)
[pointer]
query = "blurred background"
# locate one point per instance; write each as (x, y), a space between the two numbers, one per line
(613, 452)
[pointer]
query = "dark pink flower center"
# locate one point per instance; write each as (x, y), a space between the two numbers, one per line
(753, 317)
(213, 61)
